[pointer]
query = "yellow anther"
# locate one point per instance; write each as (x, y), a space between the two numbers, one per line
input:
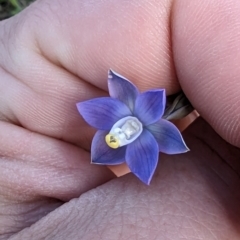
(112, 141)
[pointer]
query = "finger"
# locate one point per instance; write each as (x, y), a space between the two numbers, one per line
(49, 113)
(133, 39)
(78, 40)
(186, 198)
(206, 51)
(34, 165)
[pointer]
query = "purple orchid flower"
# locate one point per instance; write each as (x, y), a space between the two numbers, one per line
(130, 128)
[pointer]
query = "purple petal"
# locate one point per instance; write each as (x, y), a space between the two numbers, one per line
(142, 156)
(103, 113)
(169, 138)
(122, 89)
(150, 105)
(103, 154)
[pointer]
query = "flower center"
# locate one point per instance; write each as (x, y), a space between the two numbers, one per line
(123, 132)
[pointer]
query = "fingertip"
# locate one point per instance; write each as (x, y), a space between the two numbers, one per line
(134, 40)
(205, 43)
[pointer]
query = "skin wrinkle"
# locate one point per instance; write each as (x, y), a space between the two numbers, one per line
(38, 14)
(29, 215)
(60, 172)
(232, 128)
(12, 54)
(198, 203)
(47, 115)
(227, 155)
(223, 160)
(7, 91)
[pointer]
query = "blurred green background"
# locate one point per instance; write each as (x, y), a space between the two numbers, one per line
(9, 8)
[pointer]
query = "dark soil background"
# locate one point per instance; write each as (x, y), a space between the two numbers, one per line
(9, 8)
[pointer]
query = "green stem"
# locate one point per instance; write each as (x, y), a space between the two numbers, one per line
(16, 5)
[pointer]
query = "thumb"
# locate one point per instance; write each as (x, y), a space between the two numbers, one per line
(207, 57)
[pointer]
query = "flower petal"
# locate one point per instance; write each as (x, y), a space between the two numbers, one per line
(103, 154)
(142, 156)
(102, 113)
(122, 89)
(168, 136)
(150, 105)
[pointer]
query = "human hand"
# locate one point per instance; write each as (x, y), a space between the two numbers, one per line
(56, 54)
